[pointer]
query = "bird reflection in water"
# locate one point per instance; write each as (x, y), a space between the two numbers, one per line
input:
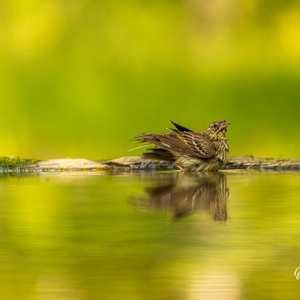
(184, 194)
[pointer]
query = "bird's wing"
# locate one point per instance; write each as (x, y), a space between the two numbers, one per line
(192, 144)
(200, 144)
(179, 127)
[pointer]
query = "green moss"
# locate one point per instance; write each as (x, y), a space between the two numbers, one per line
(16, 163)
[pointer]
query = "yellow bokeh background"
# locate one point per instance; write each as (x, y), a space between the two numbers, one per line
(81, 78)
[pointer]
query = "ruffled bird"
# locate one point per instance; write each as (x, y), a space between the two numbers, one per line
(191, 151)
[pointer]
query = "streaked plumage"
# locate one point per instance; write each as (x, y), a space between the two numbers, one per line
(191, 151)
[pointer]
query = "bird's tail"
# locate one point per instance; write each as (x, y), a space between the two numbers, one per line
(154, 153)
(159, 154)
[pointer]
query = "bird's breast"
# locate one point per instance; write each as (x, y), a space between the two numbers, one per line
(222, 149)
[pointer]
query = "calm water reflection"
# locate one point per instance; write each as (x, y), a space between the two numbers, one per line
(108, 236)
(185, 194)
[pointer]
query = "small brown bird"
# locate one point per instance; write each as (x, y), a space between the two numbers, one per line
(191, 151)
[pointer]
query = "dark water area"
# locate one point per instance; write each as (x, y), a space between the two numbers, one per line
(229, 235)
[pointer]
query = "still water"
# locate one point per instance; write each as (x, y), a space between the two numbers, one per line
(173, 236)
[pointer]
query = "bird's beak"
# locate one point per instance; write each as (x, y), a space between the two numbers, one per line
(223, 126)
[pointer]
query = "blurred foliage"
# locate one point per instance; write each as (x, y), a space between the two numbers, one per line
(15, 163)
(80, 78)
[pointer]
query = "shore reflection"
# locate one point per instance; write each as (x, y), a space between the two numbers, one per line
(186, 194)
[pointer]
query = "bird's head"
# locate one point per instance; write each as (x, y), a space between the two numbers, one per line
(217, 129)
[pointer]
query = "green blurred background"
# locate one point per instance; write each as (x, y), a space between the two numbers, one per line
(80, 77)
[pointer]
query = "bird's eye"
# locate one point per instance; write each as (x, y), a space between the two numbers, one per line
(215, 125)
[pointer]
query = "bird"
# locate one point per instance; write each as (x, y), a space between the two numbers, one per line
(190, 151)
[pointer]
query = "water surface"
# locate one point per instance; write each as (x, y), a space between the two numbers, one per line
(230, 235)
